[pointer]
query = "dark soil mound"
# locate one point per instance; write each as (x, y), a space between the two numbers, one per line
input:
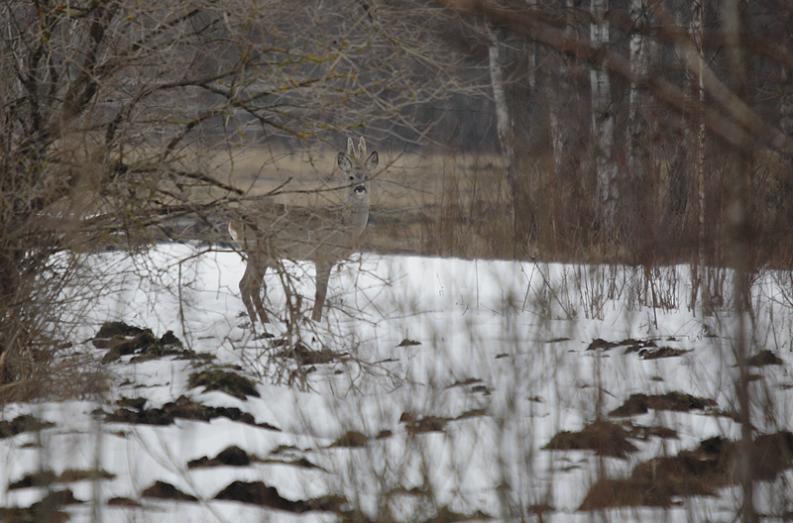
(676, 401)
(44, 510)
(698, 472)
(111, 329)
(604, 437)
(163, 490)
(22, 424)
(351, 439)
(257, 493)
(656, 353)
(632, 344)
(230, 456)
(48, 477)
(121, 340)
(763, 358)
(184, 408)
(222, 380)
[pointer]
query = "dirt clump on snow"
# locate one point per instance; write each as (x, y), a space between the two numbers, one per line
(351, 439)
(418, 425)
(604, 437)
(698, 472)
(47, 477)
(163, 490)
(675, 401)
(232, 456)
(121, 339)
(45, 509)
(115, 329)
(763, 358)
(303, 355)
(20, 424)
(222, 380)
(184, 408)
(646, 349)
(633, 345)
(607, 438)
(427, 424)
(257, 493)
(656, 353)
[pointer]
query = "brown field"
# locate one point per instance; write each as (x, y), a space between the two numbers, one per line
(421, 204)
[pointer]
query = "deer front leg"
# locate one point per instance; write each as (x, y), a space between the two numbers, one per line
(323, 275)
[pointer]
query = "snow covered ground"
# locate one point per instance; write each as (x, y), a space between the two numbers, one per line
(448, 379)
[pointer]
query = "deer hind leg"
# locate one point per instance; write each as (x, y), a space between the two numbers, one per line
(251, 289)
(323, 275)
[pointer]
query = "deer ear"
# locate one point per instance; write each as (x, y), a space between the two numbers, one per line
(373, 160)
(344, 162)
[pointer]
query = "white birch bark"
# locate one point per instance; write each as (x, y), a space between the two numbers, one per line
(503, 120)
(638, 154)
(603, 120)
(532, 58)
(560, 96)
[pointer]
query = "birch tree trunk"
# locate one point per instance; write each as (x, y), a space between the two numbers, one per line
(504, 124)
(697, 33)
(638, 153)
(561, 97)
(503, 120)
(603, 122)
(532, 58)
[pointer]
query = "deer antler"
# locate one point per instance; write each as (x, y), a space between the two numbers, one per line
(350, 147)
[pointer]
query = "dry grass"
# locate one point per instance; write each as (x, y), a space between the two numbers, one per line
(403, 181)
(437, 204)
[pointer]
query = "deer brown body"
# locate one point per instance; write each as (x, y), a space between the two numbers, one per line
(270, 233)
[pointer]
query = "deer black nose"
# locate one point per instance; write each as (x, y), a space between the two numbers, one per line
(360, 189)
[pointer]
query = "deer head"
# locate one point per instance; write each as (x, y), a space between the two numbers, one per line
(356, 166)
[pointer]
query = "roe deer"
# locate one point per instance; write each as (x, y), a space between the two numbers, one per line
(268, 233)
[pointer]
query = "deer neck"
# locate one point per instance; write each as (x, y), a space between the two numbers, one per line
(357, 214)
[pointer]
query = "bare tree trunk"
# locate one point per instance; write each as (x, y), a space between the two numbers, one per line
(603, 122)
(677, 196)
(696, 29)
(563, 90)
(638, 153)
(641, 200)
(560, 96)
(786, 102)
(739, 244)
(503, 122)
(532, 58)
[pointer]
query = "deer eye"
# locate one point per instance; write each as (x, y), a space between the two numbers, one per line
(351, 178)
